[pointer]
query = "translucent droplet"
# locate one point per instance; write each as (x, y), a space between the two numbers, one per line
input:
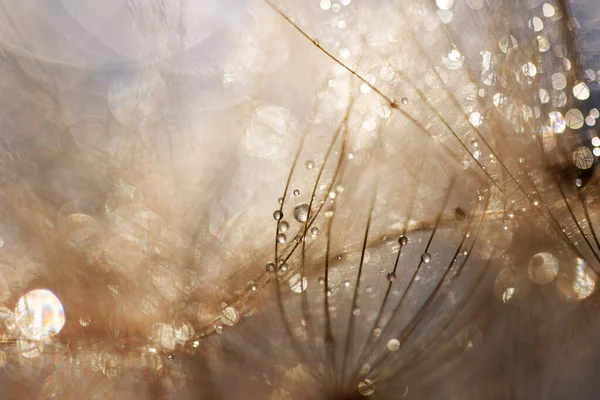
(557, 122)
(298, 283)
(314, 230)
(376, 332)
(507, 43)
(536, 24)
(581, 91)
(590, 121)
(548, 10)
(445, 16)
(543, 268)
(84, 321)
(39, 314)
(508, 294)
(296, 192)
(310, 165)
(301, 213)
(346, 283)
(391, 277)
(230, 316)
(426, 258)
(404, 100)
(578, 283)
(278, 215)
(453, 60)
(543, 43)
(574, 118)
(325, 4)
(559, 81)
(281, 238)
(583, 158)
(476, 119)
(403, 240)
(366, 387)
(284, 226)
(444, 4)
(270, 267)
(393, 345)
(544, 96)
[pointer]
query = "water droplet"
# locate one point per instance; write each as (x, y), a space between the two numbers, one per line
(277, 215)
(195, 343)
(321, 280)
(84, 321)
(253, 286)
(393, 345)
(578, 182)
(270, 267)
(366, 387)
(310, 164)
(170, 356)
(301, 213)
(583, 158)
(296, 192)
(581, 91)
(298, 283)
(404, 100)
(543, 43)
(314, 230)
(476, 119)
(426, 258)
(548, 10)
(356, 312)
(543, 268)
(391, 277)
(284, 226)
(347, 283)
(377, 332)
(281, 238)
(508, 294)
(444, 4)
(230, 316)
(39, 314)
(403, 240)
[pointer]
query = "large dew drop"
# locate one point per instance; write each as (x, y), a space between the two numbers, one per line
(301, 213)
(39, 314)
